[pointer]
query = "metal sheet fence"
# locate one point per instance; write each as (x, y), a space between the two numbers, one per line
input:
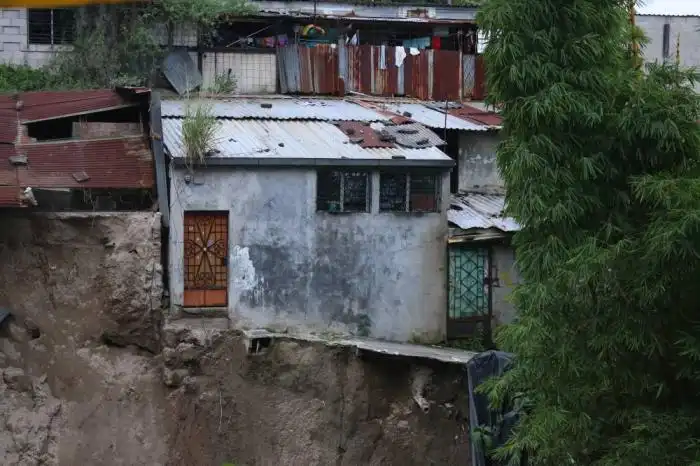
(372, 69)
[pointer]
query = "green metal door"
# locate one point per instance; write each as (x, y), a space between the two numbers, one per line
(469, 292)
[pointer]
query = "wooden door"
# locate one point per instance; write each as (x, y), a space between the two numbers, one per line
(206, 259)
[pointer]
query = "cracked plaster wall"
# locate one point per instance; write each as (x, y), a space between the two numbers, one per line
(292, 268)
(478, 170)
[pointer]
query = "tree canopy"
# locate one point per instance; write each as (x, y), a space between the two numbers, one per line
(600, 162)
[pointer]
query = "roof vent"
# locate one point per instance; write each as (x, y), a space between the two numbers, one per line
(19, 160)
(81, 177)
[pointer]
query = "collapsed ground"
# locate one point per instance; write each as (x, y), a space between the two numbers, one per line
(91, 373)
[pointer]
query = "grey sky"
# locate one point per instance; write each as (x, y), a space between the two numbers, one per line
(670, 7)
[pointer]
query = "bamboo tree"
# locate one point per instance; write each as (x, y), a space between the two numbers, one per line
(600, 163)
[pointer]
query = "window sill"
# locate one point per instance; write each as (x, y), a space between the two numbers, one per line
(326, 212)
(48, 48)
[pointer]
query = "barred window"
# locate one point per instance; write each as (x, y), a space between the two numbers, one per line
(341, 191)
(409, 192)
(51, 26)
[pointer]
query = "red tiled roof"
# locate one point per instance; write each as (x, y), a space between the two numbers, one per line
(109, 163)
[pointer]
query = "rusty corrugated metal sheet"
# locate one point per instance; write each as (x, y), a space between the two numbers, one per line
(8, 126)
(363, 134)
(479, 91)
(9, 186)
(484, 117)
(9, 196)
(447, 77)
(110, 163)
(371, 69)
(46, 105)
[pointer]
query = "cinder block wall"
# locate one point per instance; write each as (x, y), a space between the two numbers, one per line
(14, 48)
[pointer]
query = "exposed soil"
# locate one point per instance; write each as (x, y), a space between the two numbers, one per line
(89, 376)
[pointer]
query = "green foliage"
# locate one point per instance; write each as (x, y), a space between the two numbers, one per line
(224, 84)
(24, 78)
(601, 169)
(127, 57)
(205, 13)
(117, 45)
(198, 131)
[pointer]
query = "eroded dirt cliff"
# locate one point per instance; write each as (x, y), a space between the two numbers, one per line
(89, 374)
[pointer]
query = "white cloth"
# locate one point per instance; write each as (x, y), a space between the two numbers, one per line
(400, 56)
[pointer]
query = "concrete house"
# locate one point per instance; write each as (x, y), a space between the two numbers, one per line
(481, 268)
(310, 215)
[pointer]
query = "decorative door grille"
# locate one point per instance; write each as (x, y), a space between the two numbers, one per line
(206, 259)
(469, 292)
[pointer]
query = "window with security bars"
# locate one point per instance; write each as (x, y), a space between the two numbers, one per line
(342, 191)
(51, 26)
(409, 192)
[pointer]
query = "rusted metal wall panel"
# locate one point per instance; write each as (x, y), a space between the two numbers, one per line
(370, 69)
(479, 92)
(447, 75)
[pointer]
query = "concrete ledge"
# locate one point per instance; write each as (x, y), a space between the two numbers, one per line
(410, 350)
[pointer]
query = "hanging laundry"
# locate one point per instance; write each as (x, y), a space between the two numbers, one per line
(355, 38)
(311, 30)
(382, 57)
(399, 56)
(436, 43)
(414, 51)
(269, 42)
(282, 40)
(420, 43)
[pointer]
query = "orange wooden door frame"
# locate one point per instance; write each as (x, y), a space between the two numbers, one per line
(206, 259)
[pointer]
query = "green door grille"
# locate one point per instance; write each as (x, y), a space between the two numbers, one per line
(468, 283)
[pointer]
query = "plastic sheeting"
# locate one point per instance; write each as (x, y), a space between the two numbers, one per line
(479, 368)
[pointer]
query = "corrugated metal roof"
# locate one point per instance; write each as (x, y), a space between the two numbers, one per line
(279, 109)
(9, 196)
(374, 12)
(46, 105)
(410, 134)
(109, 163)
(480, 211)
(289, 139)
(429, 117)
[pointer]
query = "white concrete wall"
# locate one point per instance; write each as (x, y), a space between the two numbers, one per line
(255, 73)
(505, 271)
(477, 166)
(14, 47)
(685, 27)
(295, 269)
